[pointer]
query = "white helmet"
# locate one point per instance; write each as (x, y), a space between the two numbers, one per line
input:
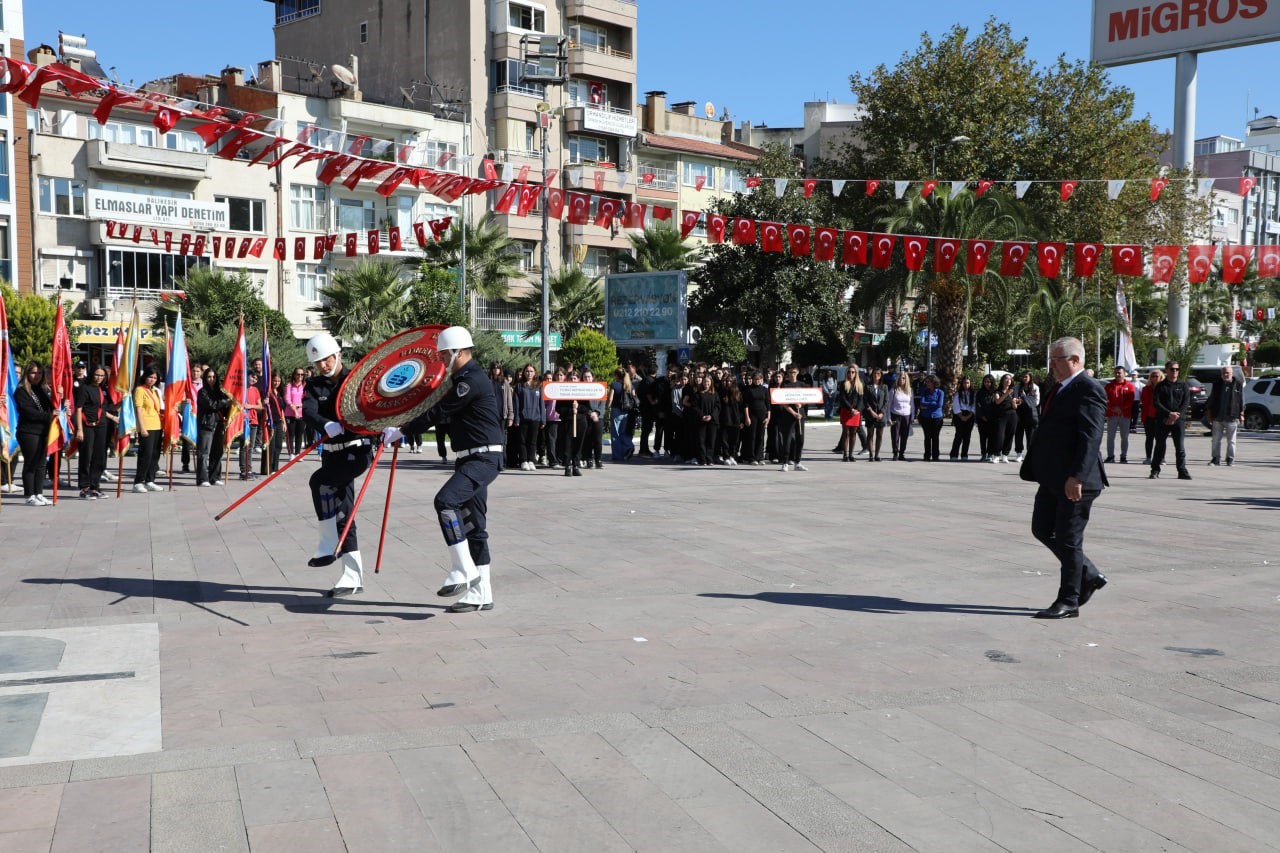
(322, 346)
(454, 338)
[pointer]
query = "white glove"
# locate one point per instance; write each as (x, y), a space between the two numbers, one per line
(333, 429)
(391, 435)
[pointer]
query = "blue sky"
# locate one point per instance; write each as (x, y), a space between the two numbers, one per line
(747, 57)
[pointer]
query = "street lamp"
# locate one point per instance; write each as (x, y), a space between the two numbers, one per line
(933, 173)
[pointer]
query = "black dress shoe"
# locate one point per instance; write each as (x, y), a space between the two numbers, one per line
(1089, 589)
(1058, 611)
(1110, 460)
(1184, 475)
(321, 562)
(344, 591)
(1154, 475)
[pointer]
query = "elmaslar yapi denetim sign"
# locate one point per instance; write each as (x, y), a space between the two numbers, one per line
(1127, 31)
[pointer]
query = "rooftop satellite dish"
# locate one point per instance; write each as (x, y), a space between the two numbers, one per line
(709, 110)
(343, 74)
(409, 93)
(317, 71)
(542, 107)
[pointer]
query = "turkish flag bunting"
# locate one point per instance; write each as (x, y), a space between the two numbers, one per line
(74, 81)
(503, 204)
(168, 241)
(1086, 258)
(662, 213)
(356, 145)
(555, 202)
(771, 236)
(454, 188)
(798, 239)
(198, 248)
(882, 250)
(490, 173)
(245, 244)
(17, 73)
(824, 243)
(1258, 314)
(1126, 260)
(983, 186)
(217, 242)
(440, 227)
(647, 178)
(698, 182)
(374, 241)
(1013, 257)
(349, 244)
(523, 177)
(445, 157)
(184, 245)
(597, 180)
(688, 222)
(268, 149)
(333, 168)
(1163, 260)
(944, 254)
(329, 241)
(238, 143)
(300, 248)
(279, 248)
(633, 215)
(853, 250)
(368, 170)
(228, 247)
(1157, 187)
(977, 255)
(155, 236)
(927, 188)
(1068, 189)
(872, 186)
(1235, 259)
(111, 228)
(259, 243)
(296, 149)
(744, 232)
(316, 154)
(913, 252)
(1269, 262)
(1239, 315)
(753, 181)
(1049, 258)
(165, 119)
(716, 226)
(528, 198)
(809, 185)
(137, 235)
(420, 233)
(579, 208)
(606, 209)
(319, 245)
(1247, 185)
(114, 98)
(550, 177)
(394, 180)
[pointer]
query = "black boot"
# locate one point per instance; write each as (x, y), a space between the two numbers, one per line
(568, 470)
(577, 472)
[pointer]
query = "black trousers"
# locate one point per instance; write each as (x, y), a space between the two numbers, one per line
(93, 456)
(297, 432)
(271, 451)
(1002, 429)
(932, 429)
(984, 437)
(788, 429)
(529, 440)
(551, 438)
(442, 437)
(33, 462)
(592, 440)
(899, 432)
(569, 445)
(649, 423)
(1025, 432)
(729, 437)
(1175, 432)
(209, 445)
(1059, 525)
(706, 447)
(964, 432)
(753, 440)
(333, 491)
(148, 457)
(465, 497)
(246, 450)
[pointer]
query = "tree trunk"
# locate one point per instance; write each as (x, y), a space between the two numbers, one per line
(948, 324)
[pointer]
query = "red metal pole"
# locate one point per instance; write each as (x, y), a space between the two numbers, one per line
(263, 484)
(368, 478)
(386, 509)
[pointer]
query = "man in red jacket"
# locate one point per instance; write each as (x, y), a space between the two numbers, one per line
(1120, 395)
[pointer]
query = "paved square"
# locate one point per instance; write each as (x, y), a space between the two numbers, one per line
(680, 658)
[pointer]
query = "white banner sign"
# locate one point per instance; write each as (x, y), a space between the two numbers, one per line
(795, 396)
(1127, 31)
(574, 390)
(159, 210)
(607, 121)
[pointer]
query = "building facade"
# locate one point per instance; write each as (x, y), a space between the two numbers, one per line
(15, 166)
(828, 127)
(1253, 219)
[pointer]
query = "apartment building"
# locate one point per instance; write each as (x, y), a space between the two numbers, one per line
(15, 166)
(1253, 219)
(828, 127)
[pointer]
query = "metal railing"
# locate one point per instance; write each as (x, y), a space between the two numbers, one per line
(290, 17)
(605, 49)
(500, 315)
(604, 108)
(517, 89)
(663, 179)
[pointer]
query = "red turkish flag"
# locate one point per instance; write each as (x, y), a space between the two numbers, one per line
(490, 173)
(198, 248)
(699, 182)
(1163, 260)
(243, 251)
(771, 236)
(217, 242)
(597, 180)
(555, 202)
(229, 247)
(688, 222)
(579, 208)
(420, 233)
(1239, 315)
(1013, 257)
(913, 252)
(329, 241)
(168, 241)
(1068, 189)
(634, 215)
(1049, 258)
(983, 186)
(137, 237)
(1259, 314)
(112, 99)
(155, 237)
(1200, 262)
(927, 188)
(662, 213)
(279, 249)
(1247, 185)
(111, 228)
(269, 149)
(528, 198)
(1157, 187)
(882, 250)
(184, 245)
(1269, 262)
(744, 232)
(373, 241)
(606, 209)
(440, 227)
(647, 177)
(716, 226)
(798, 239)
(1126, 260)
(350, 245)
(1235, 260)
(259, 243)
(753, 181)
(809, 185)
(824, 243)
(872, 186)
(1086, 257)
(854, 248)
(319, 247)
(945, 252)
(508, 198)
(356, 145)
(979, 252)
(300, 248)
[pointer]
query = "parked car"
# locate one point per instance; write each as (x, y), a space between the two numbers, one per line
(1262, 403)
(1199, 397)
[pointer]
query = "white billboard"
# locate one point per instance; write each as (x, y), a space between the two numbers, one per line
(1127, 31)
(159, 210)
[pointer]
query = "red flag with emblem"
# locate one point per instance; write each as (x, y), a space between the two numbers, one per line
(662, 213)
(744, 232)
(977, 255)
(927, 188)
(1247, 185)
(555, 202)
(1163, 260)
(1086, 257)
(913, 251)
(716, 226)
(508, 198)
(853, 249)
(1157, 187)
(798, 239)
(1126, 260)
(528, 198)
(809, 185)
(579, 208)
(1269, 262)
(1068, 190)
(318, 248)
(1235, 260)
(824, 243)
(349, 244)
(945, 252)
(1049, 258)
(1012, 258)
(882, 250)
(373, 241)
(606, 209)
(633, 216)
(279, 249)
(872, 186)
(698, 182)
(688, 222)
(1200, 262)
(771, 236)
(753, 181)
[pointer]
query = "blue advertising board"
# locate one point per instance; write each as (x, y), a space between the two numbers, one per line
(646, 308)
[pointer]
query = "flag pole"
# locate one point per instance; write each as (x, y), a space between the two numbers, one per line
(171, 467)
(263, 484)
(120, 454)
(386, 509)
(337, 550)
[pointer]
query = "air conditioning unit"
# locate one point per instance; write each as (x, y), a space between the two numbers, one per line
(96, 308)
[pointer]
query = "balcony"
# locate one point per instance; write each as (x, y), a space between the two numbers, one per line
(145, 160)
(522, 227)
(601, 62)
(621, 13)
(581, 175)
(593, 235)
(615, 121)
(663, 178)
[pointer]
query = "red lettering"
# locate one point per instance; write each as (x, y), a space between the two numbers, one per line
(1146, 21)
(1253, 9)
(1123, 25)
(1164, 18)
(1193, 8)
(1219, 17)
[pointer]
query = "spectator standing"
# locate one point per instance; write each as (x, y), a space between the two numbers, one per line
(1173, 405)
(295, 426)
(789, 418)
(273, 419)
(551, 416)
(653, 410)
(530, 414)
(504, 403)
(731, 416)
(1120, 396)
(1026, 403)
(593, 437)
(1225, 411)
(875, 413)
(705, 410)
(146, 402)
(900, 410)
(963, 411)
(755, 419)
(848, 400)
(830, 405)
(930, 404)
(573, 429)
(1004, 420)
(93, 414)
(984, 415)
(622, 404)
(674, 425)
(35, 412)
(1148, 405)
(212, 405)
(252, 410)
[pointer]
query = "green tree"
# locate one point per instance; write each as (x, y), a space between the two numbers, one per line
(658, 248)
(434, 299)
(31, 318)
(593, 349)
(1267, 352)
(492, 257)
(1058, 310)
(366, 304)
(214, 299)
(576, 301)
(489, 347)
(720, 345)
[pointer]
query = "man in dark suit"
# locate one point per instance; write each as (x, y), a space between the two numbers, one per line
(1065, 461)
(1173, 406)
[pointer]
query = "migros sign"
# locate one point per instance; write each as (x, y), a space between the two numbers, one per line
(1124, 31)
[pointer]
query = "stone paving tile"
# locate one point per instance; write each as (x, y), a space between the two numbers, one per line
(108, 814)
(313, 836)
(203, 826)
(281, 792)
(373, 807)
(30, 808)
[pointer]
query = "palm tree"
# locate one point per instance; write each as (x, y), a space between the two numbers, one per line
(366, 304)
(658, 248)
(963, 216)
(576, 302)
(1056, 311)
(492, 259)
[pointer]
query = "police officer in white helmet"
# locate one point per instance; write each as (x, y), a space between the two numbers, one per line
(462, 503)
(346, 456)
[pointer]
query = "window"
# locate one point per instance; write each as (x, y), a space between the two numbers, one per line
(4, 171)
(364, 32)
(62, 197)
(508, 76)
(356, 215)
(312, 278)
(131, 270)
(598, 261)
(693, 171)
(308, 207)
(129, 134)
(292, 10)
(587, 149)
(434, 149)
(531, 137)
(522, 17)
(437, 211)
(6, 265)
(404, 214)
(733, 181)
(183, 140)
(524, 251)
(246, 214)
(588, 36)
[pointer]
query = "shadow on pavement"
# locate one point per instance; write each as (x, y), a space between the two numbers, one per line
(1254, 503)
(872, 603)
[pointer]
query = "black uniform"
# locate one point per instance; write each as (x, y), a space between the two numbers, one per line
(93, 403)
(345, 456)
(476, 434)
(1171, 396)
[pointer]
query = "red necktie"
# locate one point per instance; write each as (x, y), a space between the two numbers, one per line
(1053, 392)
